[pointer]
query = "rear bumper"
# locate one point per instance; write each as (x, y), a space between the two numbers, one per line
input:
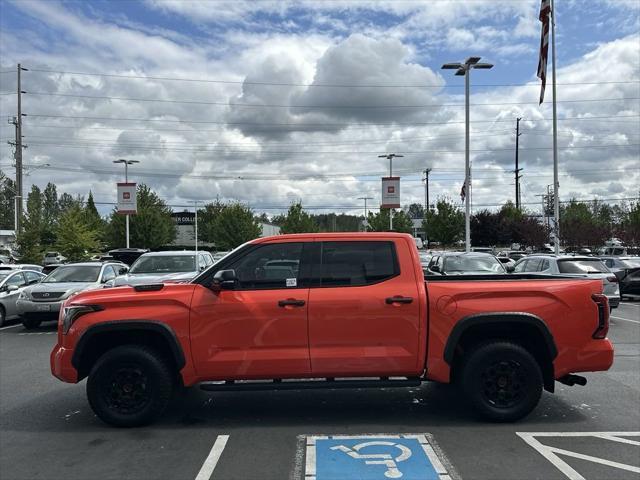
(61, 367)
(596, 356)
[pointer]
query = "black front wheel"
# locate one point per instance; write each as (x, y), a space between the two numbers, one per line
(502, 380)
(129, 386)
(30, 323)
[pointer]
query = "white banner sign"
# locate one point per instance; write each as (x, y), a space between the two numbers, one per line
(390, 192)
(127, 203)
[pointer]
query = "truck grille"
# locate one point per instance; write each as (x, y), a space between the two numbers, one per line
(46, 296)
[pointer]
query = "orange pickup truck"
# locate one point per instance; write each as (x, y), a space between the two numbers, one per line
(331, 311)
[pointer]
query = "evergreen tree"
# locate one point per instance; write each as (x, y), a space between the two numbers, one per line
(93, 219)
(29, 241)
(298, 221)
(7, 202)
(50, 214)
(234, 225)
(379, 222)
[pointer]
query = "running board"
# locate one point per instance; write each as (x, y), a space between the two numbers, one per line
(295, 384)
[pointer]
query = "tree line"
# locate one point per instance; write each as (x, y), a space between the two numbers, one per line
(74, 227)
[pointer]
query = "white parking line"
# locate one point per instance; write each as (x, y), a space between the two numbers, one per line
(212, 460)
(551, 453)
(11, 326)
(615, 317)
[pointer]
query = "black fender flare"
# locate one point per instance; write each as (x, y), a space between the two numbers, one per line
(498, 318)
(129, 325)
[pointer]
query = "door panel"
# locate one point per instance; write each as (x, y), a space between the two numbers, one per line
(246, 334)
(356, 330)
(259, 329)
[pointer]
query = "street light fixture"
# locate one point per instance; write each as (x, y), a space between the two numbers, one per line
(126, 164)
(465, 69)
(390, 157)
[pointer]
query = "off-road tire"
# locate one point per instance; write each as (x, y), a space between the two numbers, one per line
(130, 386)
(501, 380)
(30, 323)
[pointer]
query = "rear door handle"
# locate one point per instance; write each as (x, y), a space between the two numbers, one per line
(291, 303)
(398, 299)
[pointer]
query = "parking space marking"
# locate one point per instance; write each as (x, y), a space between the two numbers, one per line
(624, 319)
(552, 453)
(372, 457)
(37, 333)
(212, 460)
(11, 326)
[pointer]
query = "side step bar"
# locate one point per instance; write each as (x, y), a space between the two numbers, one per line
(295, 384)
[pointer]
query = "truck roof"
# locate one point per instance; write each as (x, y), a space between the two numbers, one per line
(334, 235)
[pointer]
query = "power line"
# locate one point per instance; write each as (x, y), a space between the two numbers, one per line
(328, 85)
(352, 107)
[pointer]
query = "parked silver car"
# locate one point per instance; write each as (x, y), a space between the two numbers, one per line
(157, 267)
(53, 257)
(21, 266)
(12, 282)
(41, 302)
(572, 266)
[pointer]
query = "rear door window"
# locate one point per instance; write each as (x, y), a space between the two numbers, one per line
(357, 263)
(582, 266)
(32, 277)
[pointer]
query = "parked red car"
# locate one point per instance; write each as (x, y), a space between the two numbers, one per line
(324, 311)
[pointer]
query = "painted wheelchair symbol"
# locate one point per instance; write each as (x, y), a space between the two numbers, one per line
(379, 458)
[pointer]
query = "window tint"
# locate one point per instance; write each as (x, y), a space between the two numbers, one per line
(533, 265)
(357, 263)
(32, 277)
(17, 280)
(582, 266)
(520, 267)
(108, 274)
(269, 266)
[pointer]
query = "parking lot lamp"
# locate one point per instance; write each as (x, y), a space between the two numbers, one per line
(126, 164)
(465, 69)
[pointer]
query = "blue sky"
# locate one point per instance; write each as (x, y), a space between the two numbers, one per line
(187, 146)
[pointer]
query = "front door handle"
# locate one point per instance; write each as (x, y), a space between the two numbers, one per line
(398, 299)
(291, 302)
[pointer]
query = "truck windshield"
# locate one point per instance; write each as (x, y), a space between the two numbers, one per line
(164, 264)
(85, 273)
(582, 266)
(463, 264)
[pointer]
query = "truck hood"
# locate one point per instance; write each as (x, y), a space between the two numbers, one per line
(146, 278)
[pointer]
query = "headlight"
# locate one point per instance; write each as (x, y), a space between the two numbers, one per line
(73, 312)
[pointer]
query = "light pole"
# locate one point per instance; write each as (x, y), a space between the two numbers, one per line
(126, 164)
(390, 156)
(195, 207)
(366, 223)
(464, 69)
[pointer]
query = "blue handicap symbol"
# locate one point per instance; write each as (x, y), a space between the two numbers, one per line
(366, 458)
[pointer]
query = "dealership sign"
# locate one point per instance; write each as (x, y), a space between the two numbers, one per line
(127, 204)
(390, 192)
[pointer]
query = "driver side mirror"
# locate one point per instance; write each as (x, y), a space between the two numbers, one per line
(510, 268)
(224, 280)
(123, 270)
(11, 288)
(435, 268)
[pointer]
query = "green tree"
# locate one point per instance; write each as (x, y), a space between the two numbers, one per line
(7, 202)
(93, 219)
(207, 221)
(298, 221)
(30, 239)
(415, 210)
(76, 238)
(630, 225)
(67, 201)
(579, 226)
(152, 227)
(234, 225)
(50, 214)
(445, 224)
(379, 222)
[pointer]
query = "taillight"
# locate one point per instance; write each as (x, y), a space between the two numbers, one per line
(603, 315)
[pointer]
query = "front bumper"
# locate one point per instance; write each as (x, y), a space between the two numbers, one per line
(40, 310)
(61, 366)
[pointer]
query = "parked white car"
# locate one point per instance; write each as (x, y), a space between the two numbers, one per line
(12, 282)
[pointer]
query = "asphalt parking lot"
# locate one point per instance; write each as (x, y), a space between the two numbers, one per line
(47, 430)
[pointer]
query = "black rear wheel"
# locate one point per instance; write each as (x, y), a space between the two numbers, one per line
(129, 386)
(502, 380)
(30, 323)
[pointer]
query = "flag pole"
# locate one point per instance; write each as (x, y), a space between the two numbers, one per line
(556, 184)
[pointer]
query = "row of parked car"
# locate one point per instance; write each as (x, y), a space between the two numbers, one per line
(35, 293)
(620, 275)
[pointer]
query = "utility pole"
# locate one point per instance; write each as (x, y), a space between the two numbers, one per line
(366, 223)
(390, 157)
(517, 170)
(195, 207)
(18, 155)
(426, 172)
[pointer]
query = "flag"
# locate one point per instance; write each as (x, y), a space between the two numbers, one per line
(463, 192)
(545, 10)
